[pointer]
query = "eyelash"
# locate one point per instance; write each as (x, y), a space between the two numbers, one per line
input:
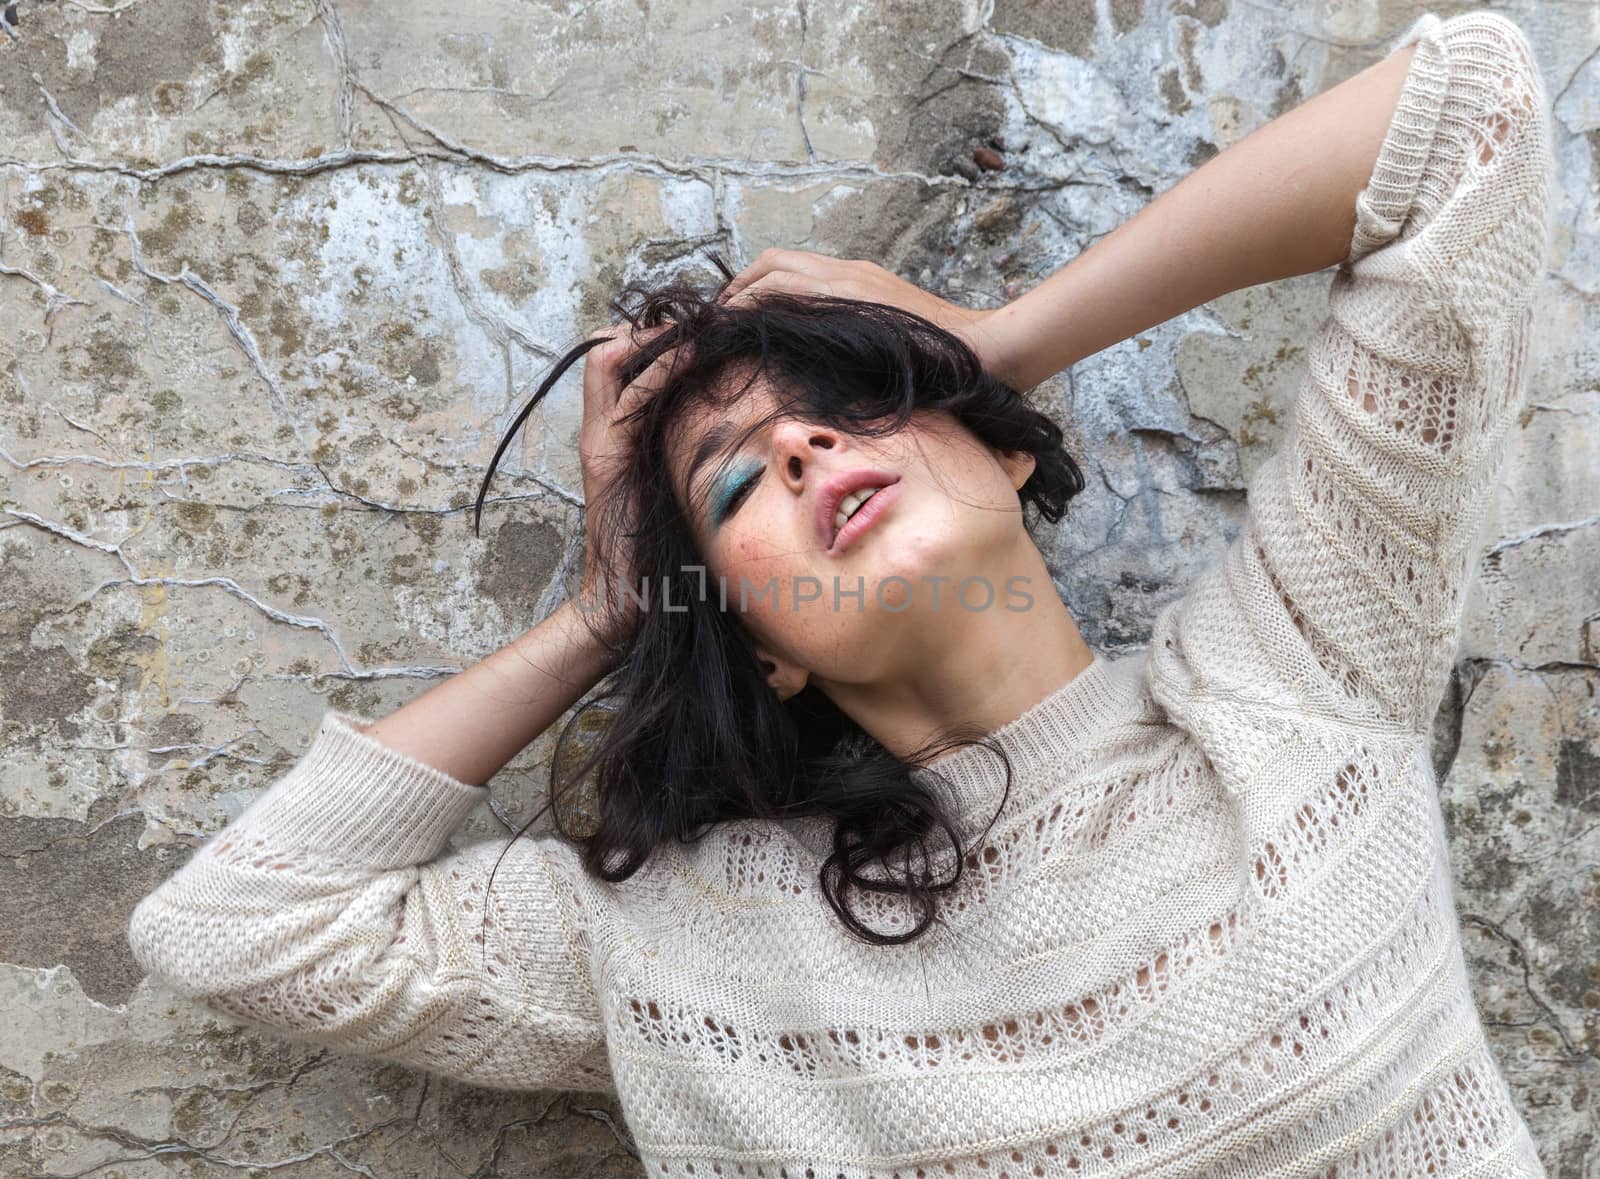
(738, 496)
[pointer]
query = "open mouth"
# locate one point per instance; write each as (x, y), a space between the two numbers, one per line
(849, 500)
(850, 505)
(858, 511)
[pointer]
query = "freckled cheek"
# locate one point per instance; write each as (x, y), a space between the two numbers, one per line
(748, 557)
(748, 551)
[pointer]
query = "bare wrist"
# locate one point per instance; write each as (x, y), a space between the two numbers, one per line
(1003, 345)
(598, 627)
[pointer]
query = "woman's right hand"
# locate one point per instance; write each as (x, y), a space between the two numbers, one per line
(605, 443)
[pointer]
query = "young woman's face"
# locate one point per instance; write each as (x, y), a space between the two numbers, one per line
(847, 604)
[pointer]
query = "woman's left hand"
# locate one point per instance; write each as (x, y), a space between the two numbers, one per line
(803, 272)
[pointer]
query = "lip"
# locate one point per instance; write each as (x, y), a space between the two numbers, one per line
(832, 494)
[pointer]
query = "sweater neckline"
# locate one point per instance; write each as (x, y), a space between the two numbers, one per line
(1040, 743)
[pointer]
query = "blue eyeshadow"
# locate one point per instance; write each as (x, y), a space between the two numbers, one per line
(726, 488)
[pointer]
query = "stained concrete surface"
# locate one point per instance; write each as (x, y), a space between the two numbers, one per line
(275, 276)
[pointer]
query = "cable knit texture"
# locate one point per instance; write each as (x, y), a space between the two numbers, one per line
(1212, 932)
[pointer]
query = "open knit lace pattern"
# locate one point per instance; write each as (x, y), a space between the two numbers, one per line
(1211, 933)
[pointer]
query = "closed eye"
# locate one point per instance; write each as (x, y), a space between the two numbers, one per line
(738, 495)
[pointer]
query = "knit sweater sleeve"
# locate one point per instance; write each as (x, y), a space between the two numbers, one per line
(333, 911)
(1344, 592)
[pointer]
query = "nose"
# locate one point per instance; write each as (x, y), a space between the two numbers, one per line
(796, 445)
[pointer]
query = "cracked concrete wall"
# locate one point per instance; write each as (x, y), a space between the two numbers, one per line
(275, 276)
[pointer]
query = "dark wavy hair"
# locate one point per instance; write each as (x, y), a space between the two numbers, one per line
(696, 736)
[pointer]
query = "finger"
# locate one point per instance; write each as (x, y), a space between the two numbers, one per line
(622, 400)
(600, 369)
(791, 283)
(649, 382)
(625, 338)
(774, 260)
(601, 381)
(766, 261)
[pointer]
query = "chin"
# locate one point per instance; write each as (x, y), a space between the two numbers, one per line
(918, 563)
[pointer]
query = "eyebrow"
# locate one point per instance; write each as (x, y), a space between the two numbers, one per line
(713, 440)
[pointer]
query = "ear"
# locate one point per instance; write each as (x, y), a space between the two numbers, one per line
(1018, 464)
(785, 677)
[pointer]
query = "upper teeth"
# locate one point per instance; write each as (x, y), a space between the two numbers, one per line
(849, 504)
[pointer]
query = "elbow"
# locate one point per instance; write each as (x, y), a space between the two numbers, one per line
(198, 954)
(326, 969)
(166, 949)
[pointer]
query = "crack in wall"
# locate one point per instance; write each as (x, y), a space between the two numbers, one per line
(1550, 1016)
(157, 1147)
(344, 96)
(55, 300)
(242, 336)
(1555, 528)
(135, 578)
(547, 488)
(801, 70)
(503, 333)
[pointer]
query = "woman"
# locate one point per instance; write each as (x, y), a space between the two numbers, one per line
(1181, 913)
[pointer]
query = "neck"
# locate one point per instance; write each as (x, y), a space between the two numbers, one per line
(980, 668)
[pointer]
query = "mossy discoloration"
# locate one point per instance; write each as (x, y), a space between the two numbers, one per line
(1126, 14)
(1208, 12)
(1578, 774)
(426, 527)
(33, 222)
(286, 329)
(1172, 91)
(15, 1091)
(107, 353)
(255, 68)
(145, 48)
(45, 683)
(517, 281)
(295, 587)
(168, 239)
(196, 517)
(1060, 24)
(67, 890)
(518, 562)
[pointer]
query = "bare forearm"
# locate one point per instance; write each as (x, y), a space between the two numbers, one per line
(1278, 203)
(472, 724)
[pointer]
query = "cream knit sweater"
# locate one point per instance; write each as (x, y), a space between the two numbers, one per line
(1212, 934)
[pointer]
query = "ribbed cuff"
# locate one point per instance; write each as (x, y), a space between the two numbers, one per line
(354, 797)
(1382, 206)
